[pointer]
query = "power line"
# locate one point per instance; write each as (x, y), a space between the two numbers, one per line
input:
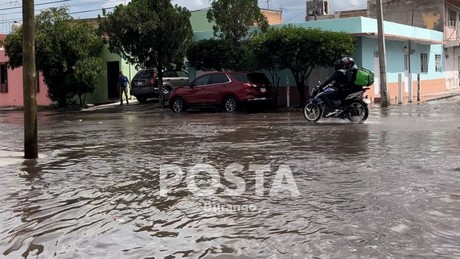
(8, 21)
(88, 11)
(20, 6)
(70, 6)
(8, 18)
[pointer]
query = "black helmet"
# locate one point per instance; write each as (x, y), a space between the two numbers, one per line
(348, 62)
(338, 64)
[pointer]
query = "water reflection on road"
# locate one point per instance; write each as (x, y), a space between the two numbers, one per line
(386, 188)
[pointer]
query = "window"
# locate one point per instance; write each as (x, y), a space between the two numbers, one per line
(3, 78)
(452, 18)
(258, 78)
(170, 73)
(437, 66)
(145, 74)
(424, 63)
(202, 80)
(219, 79)
(181, 73)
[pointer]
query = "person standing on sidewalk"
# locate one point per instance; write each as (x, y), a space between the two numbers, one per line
(123, 83)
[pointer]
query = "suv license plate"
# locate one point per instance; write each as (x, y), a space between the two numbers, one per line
(263, 90)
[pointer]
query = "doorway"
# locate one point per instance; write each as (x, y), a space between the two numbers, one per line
(113, 68)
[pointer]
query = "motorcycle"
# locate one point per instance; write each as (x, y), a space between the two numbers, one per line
(353, 107)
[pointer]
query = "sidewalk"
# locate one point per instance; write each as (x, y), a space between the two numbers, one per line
(439, 96)
(424, 98)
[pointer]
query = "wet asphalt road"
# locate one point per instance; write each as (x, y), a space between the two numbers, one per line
(388, 188)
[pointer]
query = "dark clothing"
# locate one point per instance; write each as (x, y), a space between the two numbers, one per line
(123, 84)
(123, 81)
(339, 77)
(328, 97)
(343, 83)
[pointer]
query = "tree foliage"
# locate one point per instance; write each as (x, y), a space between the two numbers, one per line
(300, 50)
(66, 54)
(217, 54)
(236, 20)
(149, 33)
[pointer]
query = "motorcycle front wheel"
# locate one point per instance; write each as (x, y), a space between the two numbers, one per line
(312, 112)
(357, 112)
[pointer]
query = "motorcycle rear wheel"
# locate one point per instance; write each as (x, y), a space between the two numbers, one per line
(357, 112)
(312, 112)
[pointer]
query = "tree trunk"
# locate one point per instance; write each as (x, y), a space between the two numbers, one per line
(161, 99)
(301, 90)
(81, 100)
(62, 100)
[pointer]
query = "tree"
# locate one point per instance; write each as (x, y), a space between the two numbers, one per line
(235, 19)
(149, 33)
(301, 50)
(217, 54)
(264, 55)
(66, 54)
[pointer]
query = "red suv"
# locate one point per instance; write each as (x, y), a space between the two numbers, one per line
(228, 90)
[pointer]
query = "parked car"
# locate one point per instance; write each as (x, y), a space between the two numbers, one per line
(144, 84)
(228, 90)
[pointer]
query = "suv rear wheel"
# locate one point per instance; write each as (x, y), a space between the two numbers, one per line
(230, 104)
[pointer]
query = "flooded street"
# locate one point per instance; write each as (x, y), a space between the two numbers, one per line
(387, 188)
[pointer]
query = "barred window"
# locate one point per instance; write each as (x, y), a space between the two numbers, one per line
(424, 62)
(437, 66)
(3, 78)
(452, 18)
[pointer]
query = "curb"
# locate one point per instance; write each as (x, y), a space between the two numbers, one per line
(440, 97)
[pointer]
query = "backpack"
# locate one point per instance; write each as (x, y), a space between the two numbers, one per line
(364, 77)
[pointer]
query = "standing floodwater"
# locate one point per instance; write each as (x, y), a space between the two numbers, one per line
(386, 188)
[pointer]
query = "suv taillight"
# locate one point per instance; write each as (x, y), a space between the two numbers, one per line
(248, 85)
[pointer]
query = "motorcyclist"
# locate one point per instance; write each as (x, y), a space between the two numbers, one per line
(349, 87)
(341, 79)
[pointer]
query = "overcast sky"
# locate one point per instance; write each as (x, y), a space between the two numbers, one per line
(293, 10)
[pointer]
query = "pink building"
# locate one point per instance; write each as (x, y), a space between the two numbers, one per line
(11, 88)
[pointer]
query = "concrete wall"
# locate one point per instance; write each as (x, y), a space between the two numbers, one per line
(14, 96)
(200, 22)
(273, 16)
(427, 14)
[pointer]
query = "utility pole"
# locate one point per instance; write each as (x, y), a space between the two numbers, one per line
(385, 98)
(28, 75)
